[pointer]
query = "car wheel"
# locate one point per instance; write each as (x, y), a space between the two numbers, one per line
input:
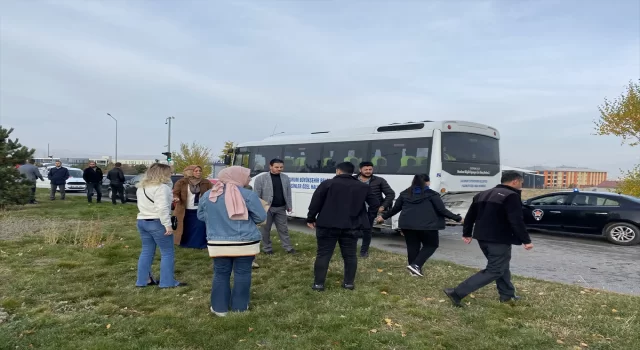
(622, 233)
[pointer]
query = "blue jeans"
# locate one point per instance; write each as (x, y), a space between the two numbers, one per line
(152, 235)
(221, 295)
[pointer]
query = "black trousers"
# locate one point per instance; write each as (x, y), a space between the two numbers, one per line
(367, 233)
(32, 195)
(498, 259)
(421, 244)
(327, 239)
(117, 191)
(91, 186)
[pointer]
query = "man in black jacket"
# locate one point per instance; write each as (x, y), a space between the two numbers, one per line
(337, 212)
(495, 220)
(93, 178)
(383, 193)
(116, 182)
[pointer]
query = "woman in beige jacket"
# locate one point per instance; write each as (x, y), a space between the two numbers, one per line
(191, 232)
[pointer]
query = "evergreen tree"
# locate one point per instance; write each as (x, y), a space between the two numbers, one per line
(14, 189)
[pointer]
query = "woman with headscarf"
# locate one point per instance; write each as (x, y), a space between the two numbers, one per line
(187, 193)
(231, 213)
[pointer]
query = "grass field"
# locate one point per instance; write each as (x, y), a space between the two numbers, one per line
(67, 273)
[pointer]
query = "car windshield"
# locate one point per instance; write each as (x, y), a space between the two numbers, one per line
(75, 173)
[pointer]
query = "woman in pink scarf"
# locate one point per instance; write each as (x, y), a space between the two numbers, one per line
(231, 214)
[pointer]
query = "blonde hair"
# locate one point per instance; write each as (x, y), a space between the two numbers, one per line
(158, 174)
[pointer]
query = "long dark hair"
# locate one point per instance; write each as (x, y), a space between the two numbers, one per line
(418, 184)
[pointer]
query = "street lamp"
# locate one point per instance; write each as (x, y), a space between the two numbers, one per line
(116, 120)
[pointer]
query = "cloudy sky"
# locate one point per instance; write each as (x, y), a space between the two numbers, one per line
(536, 70)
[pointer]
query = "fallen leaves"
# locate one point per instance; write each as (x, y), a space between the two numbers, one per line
(403, 333)
(614, 311)
(384, 293)
(429, 299)
(250, 329)
(559, 341)
(373, 331)
(388, 321)
(109, 326)
(584, 345)
(380, 270)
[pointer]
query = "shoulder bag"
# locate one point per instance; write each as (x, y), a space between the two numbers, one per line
(174, 219)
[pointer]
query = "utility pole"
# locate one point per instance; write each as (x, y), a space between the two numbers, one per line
(116, 120)
(168, 122)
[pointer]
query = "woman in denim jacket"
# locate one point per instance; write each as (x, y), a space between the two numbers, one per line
(231, 214)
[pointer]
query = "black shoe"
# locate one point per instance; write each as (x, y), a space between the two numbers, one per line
(348, 286)
(415, 270)
(451, 293)
(292, 251)
(152, 282)
(269, 252)
(318, 287)
(98, 201)
(364, 254)
(182, 284)
(508, 299)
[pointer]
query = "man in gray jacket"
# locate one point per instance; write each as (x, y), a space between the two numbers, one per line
(274, 187)
(31, 173)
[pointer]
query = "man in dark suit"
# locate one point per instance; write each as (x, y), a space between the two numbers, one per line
(116, 182)
(338, 214)
(93, 177)
(495, 220)
(58, 176)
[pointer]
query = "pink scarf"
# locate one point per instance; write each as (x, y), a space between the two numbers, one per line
(230, 179)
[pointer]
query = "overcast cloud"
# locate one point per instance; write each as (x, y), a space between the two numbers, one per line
(536, 70)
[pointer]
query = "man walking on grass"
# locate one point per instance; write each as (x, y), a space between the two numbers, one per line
(31, 173)
(337, 212)
(495, 220)
(383, 193)
(93, 177)
(58, 176)
(116, 182)
(274, 187)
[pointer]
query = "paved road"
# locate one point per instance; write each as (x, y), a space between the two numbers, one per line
(589, 262)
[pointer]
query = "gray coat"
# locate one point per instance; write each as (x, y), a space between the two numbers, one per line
(264, 188)
(31, 172)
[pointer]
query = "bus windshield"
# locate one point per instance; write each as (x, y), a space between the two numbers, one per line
(469, 148)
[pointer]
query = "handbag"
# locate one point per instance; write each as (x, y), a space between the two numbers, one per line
(174, 219)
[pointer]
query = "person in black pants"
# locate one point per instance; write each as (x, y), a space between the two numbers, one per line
(422, 214)
(93, 178)
(116, 182)
(495, 220)
(337, 212)
(383, 192)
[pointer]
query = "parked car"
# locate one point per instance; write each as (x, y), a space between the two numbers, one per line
(614, 216)
(106, 184)
(130, 186)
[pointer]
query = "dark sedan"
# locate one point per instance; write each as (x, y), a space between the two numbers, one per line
(106, 188)
(614, 216)
(130, 186)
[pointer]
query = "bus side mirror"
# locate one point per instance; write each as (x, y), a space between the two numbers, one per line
(227, 160)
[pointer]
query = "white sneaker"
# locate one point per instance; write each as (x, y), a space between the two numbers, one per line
(219, 314)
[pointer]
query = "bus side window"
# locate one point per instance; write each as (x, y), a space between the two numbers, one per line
(338, 152)
(402, 156)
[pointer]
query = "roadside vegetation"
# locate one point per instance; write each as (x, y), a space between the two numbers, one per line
(67, 272)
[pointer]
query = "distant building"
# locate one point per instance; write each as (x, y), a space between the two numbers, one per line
(531, 179)
(568, 177)
(137, 161)
(605, 186)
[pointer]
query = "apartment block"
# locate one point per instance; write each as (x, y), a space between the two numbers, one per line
(568, 177)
